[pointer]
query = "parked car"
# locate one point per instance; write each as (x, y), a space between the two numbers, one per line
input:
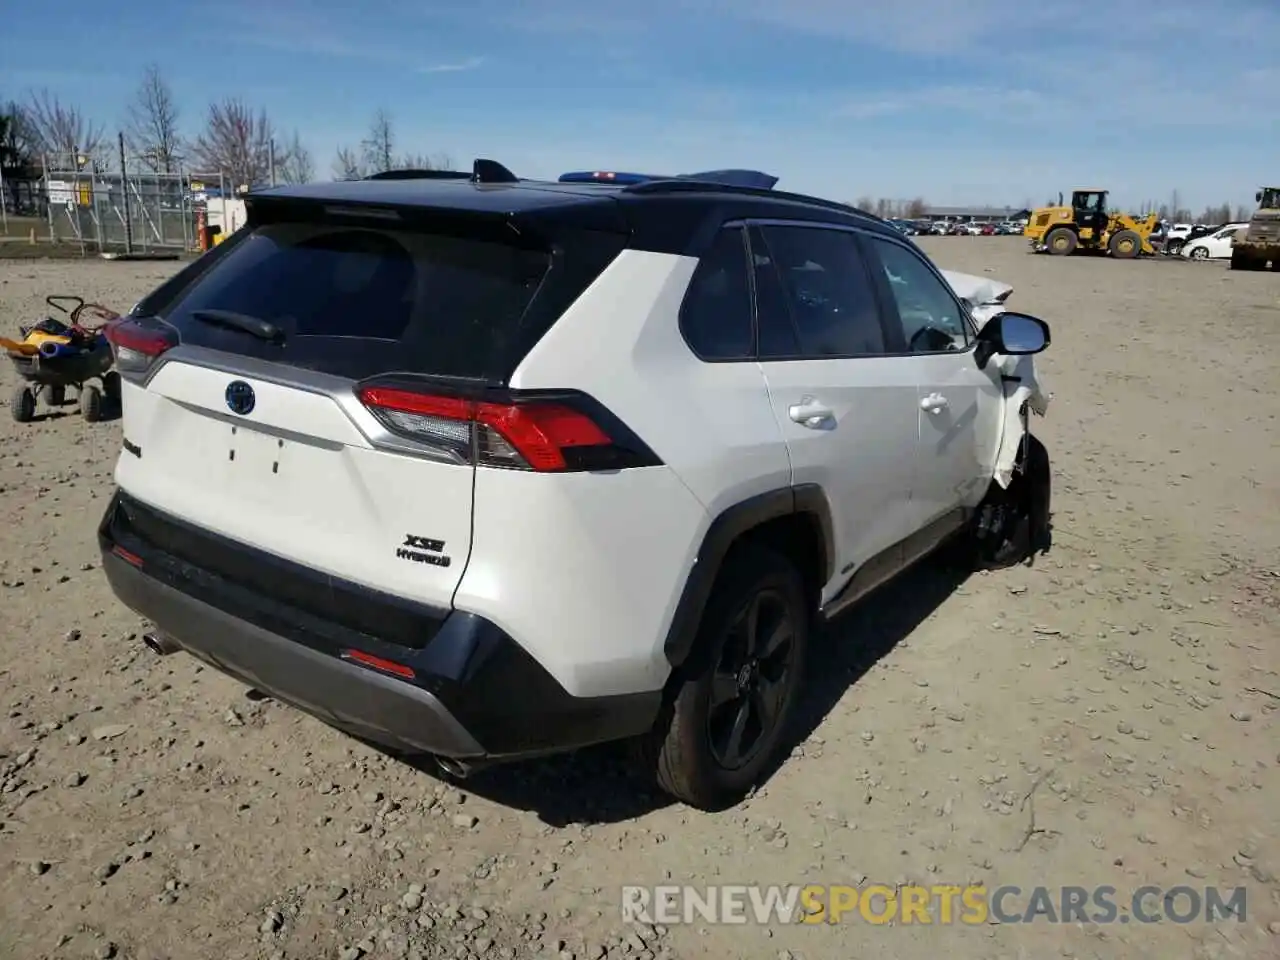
(987, 229)
(1176, 240)
(390, 472)
(1215, 245)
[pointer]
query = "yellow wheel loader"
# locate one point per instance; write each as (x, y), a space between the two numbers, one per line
(1253, 248)
(1087, 225)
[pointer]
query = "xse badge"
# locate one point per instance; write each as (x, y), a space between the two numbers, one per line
(423, 550)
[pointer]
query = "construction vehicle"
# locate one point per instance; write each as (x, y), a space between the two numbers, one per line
(1252, 248)
(1087, 225)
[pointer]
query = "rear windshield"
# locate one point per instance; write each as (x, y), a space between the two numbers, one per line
(357, 302)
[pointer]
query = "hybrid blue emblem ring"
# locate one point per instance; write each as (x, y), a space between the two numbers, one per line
(240, 398)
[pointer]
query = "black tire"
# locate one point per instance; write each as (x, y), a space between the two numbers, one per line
(1125, 245)
(1012, 524)
(1061, 242)
(111, 385)
(55, 396)
(688, 751)
(1241, 262)
(23, 405)
(91, 403)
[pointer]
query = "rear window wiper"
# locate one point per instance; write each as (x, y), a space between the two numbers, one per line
(255, 326)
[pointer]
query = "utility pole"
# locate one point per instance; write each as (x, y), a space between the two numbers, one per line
(124, 197)
(271, 159)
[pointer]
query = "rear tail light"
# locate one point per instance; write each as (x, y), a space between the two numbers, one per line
(542, 435)
(138, 341)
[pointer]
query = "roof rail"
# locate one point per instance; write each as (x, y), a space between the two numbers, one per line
(725, 178)
(684, 185)
(734, 178)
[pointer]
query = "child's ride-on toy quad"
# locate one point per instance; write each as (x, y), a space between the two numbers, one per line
(54, 357)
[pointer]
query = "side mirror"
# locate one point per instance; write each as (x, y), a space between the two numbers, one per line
(1013, 334)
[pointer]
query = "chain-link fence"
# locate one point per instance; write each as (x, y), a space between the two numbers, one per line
(124, 207)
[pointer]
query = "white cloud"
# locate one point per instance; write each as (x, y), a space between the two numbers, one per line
(471, 63)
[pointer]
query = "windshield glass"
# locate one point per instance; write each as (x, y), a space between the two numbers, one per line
(1270, 198)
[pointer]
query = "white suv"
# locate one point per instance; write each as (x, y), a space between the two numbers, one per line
(488, 468)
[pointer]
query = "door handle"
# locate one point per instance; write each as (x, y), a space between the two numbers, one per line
(809, 413)
(934, 403)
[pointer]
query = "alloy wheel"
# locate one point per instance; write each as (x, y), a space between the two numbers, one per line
(752, 679)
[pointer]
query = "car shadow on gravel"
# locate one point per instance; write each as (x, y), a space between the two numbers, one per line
(597, 785)
(71, 410)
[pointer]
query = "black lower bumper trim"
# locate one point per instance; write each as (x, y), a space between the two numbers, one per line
(475, 694)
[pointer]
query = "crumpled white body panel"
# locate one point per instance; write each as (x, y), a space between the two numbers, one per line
(987, 298)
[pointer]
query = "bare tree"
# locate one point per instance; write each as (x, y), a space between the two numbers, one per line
(296, 166)
(380, 146)
(347, 165)
(60, 128)
(17, 144)
(151, 124)
(236, 141)
(1243, 213)
(864, 203)
(377, 154)
(422, 161)
(917, 208)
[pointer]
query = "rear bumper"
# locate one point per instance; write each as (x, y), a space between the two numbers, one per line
(473, 692)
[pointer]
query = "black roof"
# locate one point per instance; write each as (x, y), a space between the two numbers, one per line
(665, 214)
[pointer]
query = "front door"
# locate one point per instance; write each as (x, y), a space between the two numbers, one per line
(959, 406)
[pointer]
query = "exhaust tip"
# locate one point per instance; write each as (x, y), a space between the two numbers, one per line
(159, 645)
(453, 768)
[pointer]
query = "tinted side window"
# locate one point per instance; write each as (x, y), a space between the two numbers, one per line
(776, 328)
(931, 316)
(716, 314)
(827, 293)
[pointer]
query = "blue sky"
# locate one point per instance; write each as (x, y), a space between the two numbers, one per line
(958, 101)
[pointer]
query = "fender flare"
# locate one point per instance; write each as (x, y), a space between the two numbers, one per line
(726, 528)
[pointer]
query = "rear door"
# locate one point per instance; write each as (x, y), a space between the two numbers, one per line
(848, 411)
(266, 441)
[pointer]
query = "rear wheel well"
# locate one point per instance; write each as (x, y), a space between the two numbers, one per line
(798, 537)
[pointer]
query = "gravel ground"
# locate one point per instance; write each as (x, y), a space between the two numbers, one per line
(1106, 716)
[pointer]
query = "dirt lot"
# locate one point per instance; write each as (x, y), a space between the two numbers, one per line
(1105, 717)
